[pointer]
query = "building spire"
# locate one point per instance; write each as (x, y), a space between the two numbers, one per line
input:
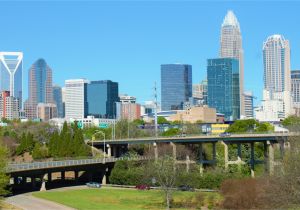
(230, 20)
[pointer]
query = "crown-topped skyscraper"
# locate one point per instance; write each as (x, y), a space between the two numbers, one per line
(231, 47)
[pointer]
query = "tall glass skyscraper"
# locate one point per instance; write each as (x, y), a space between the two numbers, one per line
(11, 67)
(176, 86)
(39, 87)
(231, 47)
(223, 86)
(57, 97)
(101, 99)
(277, 72)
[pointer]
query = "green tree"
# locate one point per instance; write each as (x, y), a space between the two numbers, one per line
(39, 151)
(26, 144)
(4, 179)
(291, 121)
(171, 132)
(162, 120)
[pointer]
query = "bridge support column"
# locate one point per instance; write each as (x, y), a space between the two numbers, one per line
(43, 186)
(155, 150)
(271, 158)
(49, 177)
(108, 150)
(225, 155)
(188, 162)
(239, 156)
(76, 176)
(104, 178)
(201, 157)
(252, 159)
(214, 153)
(266, 156)
(62, 176)
(174, 150)
(33, 182)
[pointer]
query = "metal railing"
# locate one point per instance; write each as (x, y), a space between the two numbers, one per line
(16, 167)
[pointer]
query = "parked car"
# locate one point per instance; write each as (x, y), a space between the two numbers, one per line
(225, 134)
(142, 187)
(93, 184)
(186, 188)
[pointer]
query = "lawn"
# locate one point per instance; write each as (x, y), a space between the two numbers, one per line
(125, 199)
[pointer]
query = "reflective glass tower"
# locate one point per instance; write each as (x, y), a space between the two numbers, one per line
(223, 86)
(11, 67)
(57, 98)
(176, 86)
(231, 47)
(101, 99)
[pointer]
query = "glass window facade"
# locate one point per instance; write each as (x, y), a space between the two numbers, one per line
(223, 86)
(57, 96)
(176, 86)
(101, 98)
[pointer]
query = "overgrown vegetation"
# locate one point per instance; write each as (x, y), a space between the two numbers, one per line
(250, 125)
(4, 179)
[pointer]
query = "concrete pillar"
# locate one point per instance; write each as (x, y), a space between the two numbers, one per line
(16, 180)
(266, 155)
(239, 150)
(271, 157)
(43, 186)
(108, 150)
(49, 177)
(76, 175)
(155, 150)
(187, 164)
(174, 150)
(214, 152)
(114, 151)
(281, 148)
(62, 175)
(252, 159)
(225, 155)
(33, 182)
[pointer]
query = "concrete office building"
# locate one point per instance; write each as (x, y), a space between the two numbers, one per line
(45, 112)
(9, 106)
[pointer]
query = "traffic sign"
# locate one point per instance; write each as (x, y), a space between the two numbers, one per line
(103, 125)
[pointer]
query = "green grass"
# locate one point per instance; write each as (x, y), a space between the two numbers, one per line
(112, 199)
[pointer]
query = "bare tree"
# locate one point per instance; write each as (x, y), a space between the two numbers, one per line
(164, 170)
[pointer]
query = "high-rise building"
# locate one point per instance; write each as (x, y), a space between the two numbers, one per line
(248, 97)
(9, 106)
(57, 98)
(295, 89)
(276, 56)
(127, 99)
(277, 100)
(101, 99)
(223, 86)
(63, 98)
(130, 111)
(200, 93)
(45, 112)
(39, 87)
(176, 86)
(76, 99)
(11, 67)
(231, 47)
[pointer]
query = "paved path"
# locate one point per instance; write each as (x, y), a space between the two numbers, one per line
(28, 202)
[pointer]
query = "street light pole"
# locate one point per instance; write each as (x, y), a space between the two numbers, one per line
(93, 137)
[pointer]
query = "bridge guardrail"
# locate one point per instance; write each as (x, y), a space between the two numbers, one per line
(14, 167)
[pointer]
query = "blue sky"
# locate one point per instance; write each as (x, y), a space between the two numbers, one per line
(126, 41)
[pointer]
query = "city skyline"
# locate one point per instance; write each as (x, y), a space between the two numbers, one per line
(203, 44)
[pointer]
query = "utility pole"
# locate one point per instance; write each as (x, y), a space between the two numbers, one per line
(155, 109)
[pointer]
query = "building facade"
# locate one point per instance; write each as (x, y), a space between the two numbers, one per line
(11, 68)
(295, 89)
(223, 86)
(248, 97)
(130, 111)
(76, 99)
(200, 93)
(9, 106)
(277, 99)
(231, 47)
(45, 112)
(39, 87)
(57, 98)
(101, 99)
(176, 86)
(195, 114)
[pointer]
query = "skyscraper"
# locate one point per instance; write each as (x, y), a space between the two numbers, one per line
(248, 97)
(176, 86)
(223, 86)
(76, 99)
(276, 56)
(200, 93)
(295, 83)
(11, 67)
(39, 87)
(277, 101)
(57, 98)
(231, 47)
(101, 98)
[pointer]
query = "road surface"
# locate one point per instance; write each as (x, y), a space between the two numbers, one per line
(28, 202)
